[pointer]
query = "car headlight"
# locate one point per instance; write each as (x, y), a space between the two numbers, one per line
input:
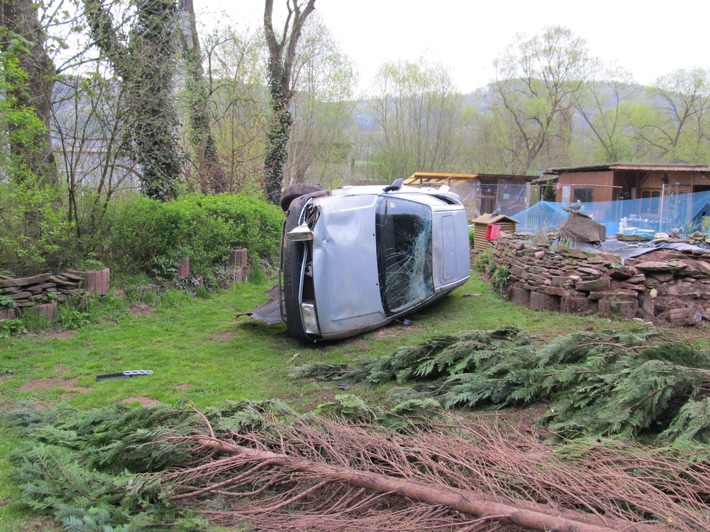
(310, 320)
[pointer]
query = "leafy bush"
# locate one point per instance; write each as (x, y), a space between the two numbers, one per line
(483, 262)
(83, 308)
(49, 297)
(34, 236)
(500, 278)
(150, 236)
(90, 265)
(6, 302)
(69, 318)
(34, 321)
(11, 327)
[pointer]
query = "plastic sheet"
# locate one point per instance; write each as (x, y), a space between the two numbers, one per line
(645, 216)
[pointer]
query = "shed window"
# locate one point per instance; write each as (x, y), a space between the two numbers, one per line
(650, 201)
(585, 195)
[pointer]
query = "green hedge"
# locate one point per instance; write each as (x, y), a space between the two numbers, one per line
(148, 236)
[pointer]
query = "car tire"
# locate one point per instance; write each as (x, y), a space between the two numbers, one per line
(296, 191)
(291, 266)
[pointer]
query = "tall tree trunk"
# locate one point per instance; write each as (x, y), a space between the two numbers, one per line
(20, 17)
(282, 53)
(145, 65)
(209, 168)
(277, 152)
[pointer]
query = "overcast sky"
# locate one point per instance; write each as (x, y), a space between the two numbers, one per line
(647, 38)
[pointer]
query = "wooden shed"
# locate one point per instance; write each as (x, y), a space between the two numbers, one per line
(487, 226)
(480, 193)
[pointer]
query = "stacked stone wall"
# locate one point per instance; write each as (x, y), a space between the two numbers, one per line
(29, 292)
(662, 286)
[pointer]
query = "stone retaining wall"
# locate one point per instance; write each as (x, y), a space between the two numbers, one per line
(32, 291)
(662, 286)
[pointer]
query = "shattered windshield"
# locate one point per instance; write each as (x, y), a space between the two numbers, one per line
(403, 253)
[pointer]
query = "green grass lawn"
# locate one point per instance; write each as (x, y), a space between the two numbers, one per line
(201, 355)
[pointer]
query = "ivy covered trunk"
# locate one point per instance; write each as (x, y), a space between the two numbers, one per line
(210, 173)
(30, 84)
(144, 59)
(282, 54)
(277, 153)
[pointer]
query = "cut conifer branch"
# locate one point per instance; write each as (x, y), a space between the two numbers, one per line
(438, 495)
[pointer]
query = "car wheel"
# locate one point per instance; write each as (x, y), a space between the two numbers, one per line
(291, 265)
(296, 191)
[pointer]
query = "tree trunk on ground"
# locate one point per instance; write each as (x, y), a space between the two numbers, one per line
(457, 499)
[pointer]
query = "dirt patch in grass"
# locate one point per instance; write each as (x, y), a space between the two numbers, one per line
(227, 335)
(41, 524)
(397, 330)
(355, 342)
(54, 382)
(60, 335)
(142, 400)
(308, 401)
(183, 387)
(140, 308)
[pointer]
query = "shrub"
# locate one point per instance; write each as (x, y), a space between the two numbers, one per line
(34, 236)
(483, 263)
(90, 265)
(150, 236)
(11, 327)
(34, 321)
(500, 278)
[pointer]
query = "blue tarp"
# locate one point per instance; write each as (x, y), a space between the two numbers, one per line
(638, 216)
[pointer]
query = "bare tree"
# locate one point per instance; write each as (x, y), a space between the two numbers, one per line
(282, 55)
(681, 101)
(416, 114)
(236, 79)
(537, 78)
(89, 126)
(605, 103)
(319, 146)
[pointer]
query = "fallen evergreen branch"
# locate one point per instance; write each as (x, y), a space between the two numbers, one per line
(261, 466)
(597, 384)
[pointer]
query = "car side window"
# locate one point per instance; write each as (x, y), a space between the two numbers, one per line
(403, 253)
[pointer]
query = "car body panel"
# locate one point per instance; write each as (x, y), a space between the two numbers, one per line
(360, 257)
(449, 264)
(345, 282)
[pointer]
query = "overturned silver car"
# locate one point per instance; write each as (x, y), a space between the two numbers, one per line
(358, 257)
